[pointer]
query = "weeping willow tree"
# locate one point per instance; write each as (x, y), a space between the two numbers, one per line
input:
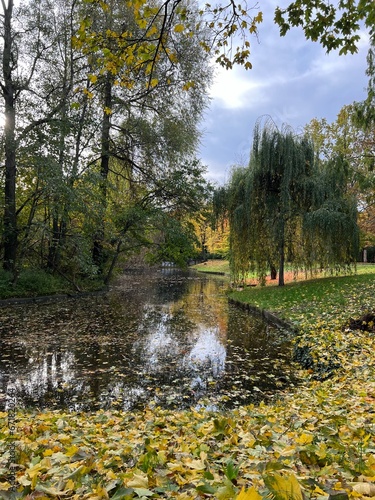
(287, 206)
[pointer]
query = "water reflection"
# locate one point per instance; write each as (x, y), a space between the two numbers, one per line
(165, 339)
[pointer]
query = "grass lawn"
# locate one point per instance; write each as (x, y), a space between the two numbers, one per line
(213, 266)
(316, 440)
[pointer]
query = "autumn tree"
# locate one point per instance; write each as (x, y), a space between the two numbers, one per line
(150, 107)
(288, 206)
(352, 135)
(9, 90)
(39, 70)
(80, 126)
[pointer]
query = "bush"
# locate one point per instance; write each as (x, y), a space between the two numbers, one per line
(30, 283)
(5, 283)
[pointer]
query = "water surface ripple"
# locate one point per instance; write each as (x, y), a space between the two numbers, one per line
(161, 338)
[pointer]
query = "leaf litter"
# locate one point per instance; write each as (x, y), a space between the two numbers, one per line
(315, 441)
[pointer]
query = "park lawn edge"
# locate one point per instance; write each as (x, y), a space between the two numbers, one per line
(317, 439)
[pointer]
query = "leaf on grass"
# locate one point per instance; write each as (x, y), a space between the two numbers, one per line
(250, 494)
(143, 492)
(122, 493)
(206, 488)
(138, 481)
(50, 490)
(284, 487)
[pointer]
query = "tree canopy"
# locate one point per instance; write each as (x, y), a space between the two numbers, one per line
(288, 206)
(98, 161)
(336, 25)
(102, 103)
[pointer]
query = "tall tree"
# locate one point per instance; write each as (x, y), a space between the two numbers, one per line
(149, 122)
(78, 123)
(287, 206)
(34, 100)
(9, 90)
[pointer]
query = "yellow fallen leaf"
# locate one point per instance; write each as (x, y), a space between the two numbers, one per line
(319, 491)
(70, 485)
(195, 464)
(283, 487)
(366, 489)
(250, 494)
(305, 438)
(138, 481)
(5, 486)
(71, 451)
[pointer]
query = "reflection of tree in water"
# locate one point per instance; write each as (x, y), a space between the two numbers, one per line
(258, 355)
(146, 342)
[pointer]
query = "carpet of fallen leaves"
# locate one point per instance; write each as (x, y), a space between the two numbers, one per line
(311, 444)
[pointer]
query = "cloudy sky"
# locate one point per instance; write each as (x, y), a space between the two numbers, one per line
(292, 80)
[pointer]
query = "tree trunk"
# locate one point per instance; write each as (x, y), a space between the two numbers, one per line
(282, 260)
(273, 272)
(97, 252)
(8, 91)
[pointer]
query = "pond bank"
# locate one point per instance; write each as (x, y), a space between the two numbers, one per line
(267, 315)
(49, 298)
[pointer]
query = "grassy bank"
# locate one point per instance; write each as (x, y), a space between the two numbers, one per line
(38, 282)
(213, 266)
(315, 441)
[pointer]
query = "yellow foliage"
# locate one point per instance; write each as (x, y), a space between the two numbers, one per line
(250, 494)
(305, 439)
(284, 487)
(179, 28)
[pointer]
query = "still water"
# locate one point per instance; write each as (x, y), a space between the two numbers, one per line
(161, 338)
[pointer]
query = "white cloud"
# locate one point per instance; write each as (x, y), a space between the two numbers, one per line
(234, 89)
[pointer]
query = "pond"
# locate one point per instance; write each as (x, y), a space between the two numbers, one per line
(159, 338)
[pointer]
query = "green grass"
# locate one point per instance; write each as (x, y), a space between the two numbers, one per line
(213, 266)
(38, 282)
(302, 300)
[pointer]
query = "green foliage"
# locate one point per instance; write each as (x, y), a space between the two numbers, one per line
(231, 471)
(334, 26)
(346, 146)
(31, 283)
(5, 283)
(288, 205)
(176, 242)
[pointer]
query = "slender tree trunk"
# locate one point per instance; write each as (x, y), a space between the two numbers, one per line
(273, 272)
(53, 251)
(97, 252)
(55, 241)
(282, 259)
(8, 91)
